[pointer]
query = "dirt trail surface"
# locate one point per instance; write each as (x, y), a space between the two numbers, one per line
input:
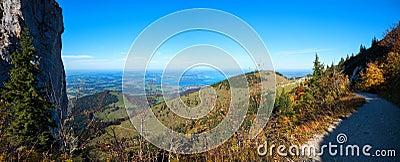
(376, 123)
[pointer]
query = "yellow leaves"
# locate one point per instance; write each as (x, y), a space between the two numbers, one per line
(291, 98)
(391, 65)
(288, 133)
(284, 119)
(372, 77)
(342, 86)
(3, 157)
(378, 73)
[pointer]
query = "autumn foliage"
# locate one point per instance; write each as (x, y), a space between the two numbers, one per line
(382, 72)
(371, 79)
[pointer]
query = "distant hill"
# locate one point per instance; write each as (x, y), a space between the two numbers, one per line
(100, 102)
(95, 102)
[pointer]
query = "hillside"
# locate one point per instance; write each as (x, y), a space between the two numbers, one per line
(110, 116)
(377, 69)
(302, 108)
(109, 105)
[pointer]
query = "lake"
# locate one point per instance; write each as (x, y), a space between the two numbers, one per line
(85, 82)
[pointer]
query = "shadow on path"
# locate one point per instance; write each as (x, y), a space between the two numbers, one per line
(376, 123)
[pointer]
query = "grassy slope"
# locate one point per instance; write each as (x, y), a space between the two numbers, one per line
(279, 128)
(115, 110)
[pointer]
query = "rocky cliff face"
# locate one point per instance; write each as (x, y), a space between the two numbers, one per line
(45, 22)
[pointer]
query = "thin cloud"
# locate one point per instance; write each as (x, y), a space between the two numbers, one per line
(303, 51)
(77, 57)
(95, 63)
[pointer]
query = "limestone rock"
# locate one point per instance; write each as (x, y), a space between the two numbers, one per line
(45, 22)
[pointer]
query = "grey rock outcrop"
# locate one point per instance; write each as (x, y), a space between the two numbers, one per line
(45, 22)
(354, 77)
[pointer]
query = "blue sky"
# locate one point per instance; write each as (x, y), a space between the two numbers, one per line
(98, 33)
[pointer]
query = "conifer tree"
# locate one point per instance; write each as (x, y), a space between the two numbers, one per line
(362, 49)
(29, 102)
(282, 103)
(341, 63)
(318, 67)
(374, 42)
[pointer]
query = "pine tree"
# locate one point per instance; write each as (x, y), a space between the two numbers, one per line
(315, 81)
(341, 63)
(30, 104)
(374, 42)
(4, 124)
(318, 67)
(283, 103)
(362, 49)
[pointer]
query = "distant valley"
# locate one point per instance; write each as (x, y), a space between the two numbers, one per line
(86, 82)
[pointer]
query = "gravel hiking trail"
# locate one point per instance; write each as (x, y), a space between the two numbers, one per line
(376, 123)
